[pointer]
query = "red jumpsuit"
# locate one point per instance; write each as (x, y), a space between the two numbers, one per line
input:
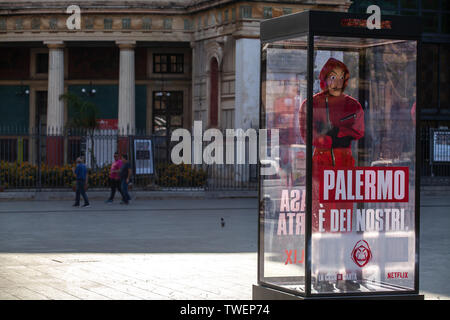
(333, 132)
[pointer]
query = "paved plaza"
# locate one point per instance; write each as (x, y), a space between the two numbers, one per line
(161, 249)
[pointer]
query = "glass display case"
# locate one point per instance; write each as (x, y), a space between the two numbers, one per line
(339, 212)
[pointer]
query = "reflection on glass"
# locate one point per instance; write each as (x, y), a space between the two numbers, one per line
(160, 125)
(363, 165)
(284, 194)
(363, 157)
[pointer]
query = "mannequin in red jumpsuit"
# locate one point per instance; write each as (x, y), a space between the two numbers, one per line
(338, 119)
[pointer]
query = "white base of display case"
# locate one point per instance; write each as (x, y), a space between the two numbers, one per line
(265, 293)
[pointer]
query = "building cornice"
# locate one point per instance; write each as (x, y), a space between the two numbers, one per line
(150, 6)
(221, 17)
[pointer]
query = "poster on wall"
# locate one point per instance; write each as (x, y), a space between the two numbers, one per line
(143, 156)
(441, 145)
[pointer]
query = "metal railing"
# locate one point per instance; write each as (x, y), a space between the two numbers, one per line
(435, 150)
(34, 159)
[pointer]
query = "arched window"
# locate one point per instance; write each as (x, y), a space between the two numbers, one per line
(214, 94)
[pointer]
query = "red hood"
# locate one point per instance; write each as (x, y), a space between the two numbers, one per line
(328, 67)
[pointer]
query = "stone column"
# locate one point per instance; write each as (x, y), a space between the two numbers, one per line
(55, 109)
(126, 88)
(126, 121)
(247, 83)
(55, 106)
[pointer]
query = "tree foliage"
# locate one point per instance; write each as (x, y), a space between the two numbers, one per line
(84, 114)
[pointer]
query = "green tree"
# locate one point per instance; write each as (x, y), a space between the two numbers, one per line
(84, 115)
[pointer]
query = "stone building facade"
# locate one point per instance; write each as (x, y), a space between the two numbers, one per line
(149, 65)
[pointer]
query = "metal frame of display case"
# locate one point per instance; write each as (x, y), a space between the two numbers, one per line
(322, 23)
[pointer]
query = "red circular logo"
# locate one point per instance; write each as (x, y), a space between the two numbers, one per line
(361, 253)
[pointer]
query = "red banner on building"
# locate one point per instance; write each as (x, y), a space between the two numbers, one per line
(107, 124)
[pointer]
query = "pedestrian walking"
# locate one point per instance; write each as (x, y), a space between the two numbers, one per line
(80, 171)
(114, 177)
(125, 176)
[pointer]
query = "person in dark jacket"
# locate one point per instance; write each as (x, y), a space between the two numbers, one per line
(80, 171)
(125, 176)
(114, 177)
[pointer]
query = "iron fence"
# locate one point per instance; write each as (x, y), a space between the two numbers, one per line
(435, 153)
(35, 159)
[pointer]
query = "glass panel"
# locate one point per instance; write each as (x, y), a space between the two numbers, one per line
(157, 104)
(163, 103)
(283, 189)
(444, 76)
(159, 125)
(363, 196)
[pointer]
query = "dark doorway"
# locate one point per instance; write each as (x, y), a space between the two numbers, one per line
(167, 116)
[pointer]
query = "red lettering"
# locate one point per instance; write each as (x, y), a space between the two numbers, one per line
(288, 259)
(362, 23)
(294, 260)
(303, 257)
(397, 275)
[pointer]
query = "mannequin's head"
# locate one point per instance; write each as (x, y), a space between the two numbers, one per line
(334, 77)
(335, 81)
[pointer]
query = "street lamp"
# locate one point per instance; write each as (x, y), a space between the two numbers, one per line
(23, 91)
(90, 92)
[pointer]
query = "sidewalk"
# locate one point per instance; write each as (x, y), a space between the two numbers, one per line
(160, 249)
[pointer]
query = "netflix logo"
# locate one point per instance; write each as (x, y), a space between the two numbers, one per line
(397, 275)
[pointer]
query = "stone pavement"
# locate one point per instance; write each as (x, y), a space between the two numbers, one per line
(160, 249)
